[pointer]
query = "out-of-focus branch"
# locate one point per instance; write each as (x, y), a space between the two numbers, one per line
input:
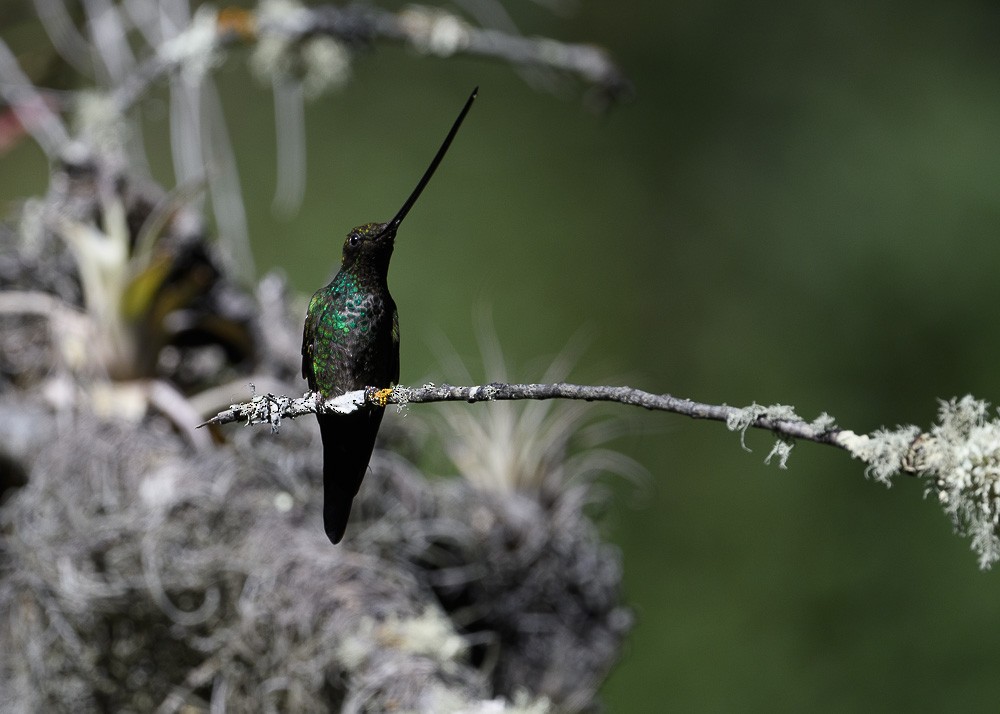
(30, 106)
(433, 31)
(429, 30)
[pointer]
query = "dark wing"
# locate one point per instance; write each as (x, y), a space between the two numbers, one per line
(308, 345)
(394, 352)
(307, 355)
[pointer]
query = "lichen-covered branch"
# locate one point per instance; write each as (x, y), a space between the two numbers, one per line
(959, 457)
(779, 419)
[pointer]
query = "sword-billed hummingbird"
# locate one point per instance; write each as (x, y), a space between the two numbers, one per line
(351, 341)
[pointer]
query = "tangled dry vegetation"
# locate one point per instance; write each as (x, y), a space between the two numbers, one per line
(146, 566)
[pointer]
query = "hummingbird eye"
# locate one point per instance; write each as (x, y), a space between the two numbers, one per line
(354, 241)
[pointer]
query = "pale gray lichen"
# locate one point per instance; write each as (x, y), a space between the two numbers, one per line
(488, 392)
(963, 458)
(402, 396)
(960, 458)
(782, 412)
(823, 423)
(741, 419)
(883, 450)
(782, 449)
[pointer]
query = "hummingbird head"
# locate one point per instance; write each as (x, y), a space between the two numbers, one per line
(372, 243)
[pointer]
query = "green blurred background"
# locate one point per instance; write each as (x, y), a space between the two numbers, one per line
(800, 206)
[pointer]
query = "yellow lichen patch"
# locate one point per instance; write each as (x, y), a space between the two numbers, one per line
(381, 397)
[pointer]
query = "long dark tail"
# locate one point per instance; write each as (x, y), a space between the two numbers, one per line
(348, 440)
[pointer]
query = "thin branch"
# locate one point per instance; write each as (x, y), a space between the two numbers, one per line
(357, 25)
(434, 31)
(781, 420)
(958, 458)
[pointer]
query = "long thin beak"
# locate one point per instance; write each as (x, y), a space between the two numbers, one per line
(393, 225)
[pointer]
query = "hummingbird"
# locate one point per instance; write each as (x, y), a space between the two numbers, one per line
(351, 341)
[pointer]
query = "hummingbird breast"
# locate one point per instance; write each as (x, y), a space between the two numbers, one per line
(351, 337)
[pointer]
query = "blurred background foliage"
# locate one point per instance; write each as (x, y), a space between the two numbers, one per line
(799, 206)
